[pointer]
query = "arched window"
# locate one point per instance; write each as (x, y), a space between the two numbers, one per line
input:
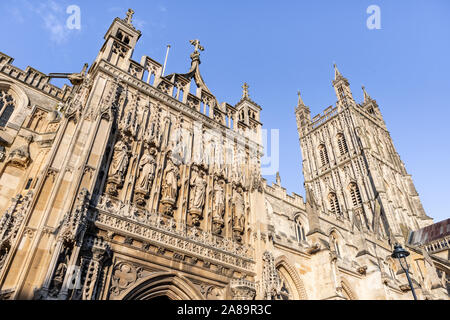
(299, 231)
(355, 194)
(7, 104)
(323, 155)
(334, 203)
(342, 144)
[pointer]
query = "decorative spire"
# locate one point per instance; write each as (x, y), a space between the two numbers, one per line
(336, 72)
(300, 100)
(129, 18)
(278, 178)
(245, 92)
(366, 95)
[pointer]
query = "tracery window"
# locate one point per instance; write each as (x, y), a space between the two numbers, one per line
(341, 92)
(299, 231)
(342, 144)
(334, 203)
(7, 104)
(323, 155)
(355, 194)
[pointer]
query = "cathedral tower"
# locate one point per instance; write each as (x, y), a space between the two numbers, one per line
(351, 165)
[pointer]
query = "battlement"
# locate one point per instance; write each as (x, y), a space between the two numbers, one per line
(319, 119)
(33, 78)
(281, 193)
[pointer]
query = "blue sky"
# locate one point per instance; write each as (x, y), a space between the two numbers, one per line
(278, 47)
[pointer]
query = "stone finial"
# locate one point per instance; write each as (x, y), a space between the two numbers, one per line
(196, 44)
(278, 179)
(366, 95)
(300, 100)
(245, 90)
(129, 18)
(336, 72)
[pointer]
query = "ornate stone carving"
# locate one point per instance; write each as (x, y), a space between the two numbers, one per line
(238, 213)
(124, 274)
(197, 195)
(242, 289)
(218, 210)
(20, 157)
(362, 270)
(75, 222)
(170, 185)
(10, 223)
(60, 271)
(211, 292)
(118, 167)
(147, 169)
(271, 281)
(96, 252)
(153, 228)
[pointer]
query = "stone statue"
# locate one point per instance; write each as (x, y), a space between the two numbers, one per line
(119, 163)
(60, 272)
(197, 195)
(219, 200)
(218, 206)
(238, 213)
(147, 167)
(170, 184)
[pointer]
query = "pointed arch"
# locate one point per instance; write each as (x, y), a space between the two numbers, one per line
(284, 266)
(348, 291)
(13, 99)
(162, 284)
(342, 143)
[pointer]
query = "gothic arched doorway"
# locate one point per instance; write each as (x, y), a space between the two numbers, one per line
(162, 285)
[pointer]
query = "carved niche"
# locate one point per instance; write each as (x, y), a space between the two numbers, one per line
(238, 212)
(218, 207)
(197, 194)
(146, 175)
(10, 224)
(118, 167)
(170, 185)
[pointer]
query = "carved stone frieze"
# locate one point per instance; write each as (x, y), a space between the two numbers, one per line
(168, 233)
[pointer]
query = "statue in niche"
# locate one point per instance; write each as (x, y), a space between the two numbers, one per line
(118, 168)
(60, 272)
(119, 163)
(197, 195)
(171, 183)
(218, 206)
(147, 167)
(238, 213)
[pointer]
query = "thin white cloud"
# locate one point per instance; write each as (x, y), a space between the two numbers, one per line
(139, 24)
(53, 16)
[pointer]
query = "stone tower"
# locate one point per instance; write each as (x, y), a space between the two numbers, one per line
(352, 168)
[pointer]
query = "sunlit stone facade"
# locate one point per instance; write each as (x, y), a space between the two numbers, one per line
(131, 184)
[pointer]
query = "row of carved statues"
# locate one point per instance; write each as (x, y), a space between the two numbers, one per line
(165, 180)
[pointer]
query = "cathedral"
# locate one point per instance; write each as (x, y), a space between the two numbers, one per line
(131, 184)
